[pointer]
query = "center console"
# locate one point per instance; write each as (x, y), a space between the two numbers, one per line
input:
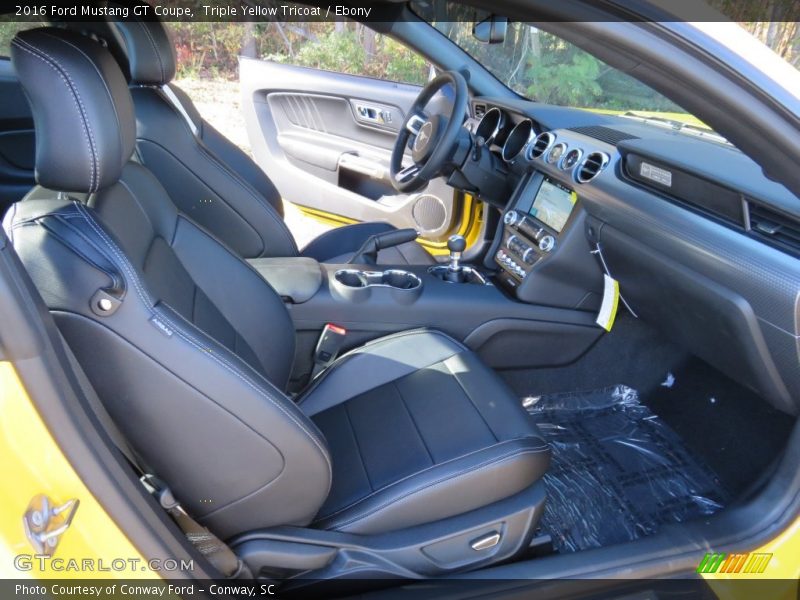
(370, 302)
(531, 232)
(531, 303)
(542, 251)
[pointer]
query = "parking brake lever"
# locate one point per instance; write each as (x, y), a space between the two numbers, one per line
(368, 253)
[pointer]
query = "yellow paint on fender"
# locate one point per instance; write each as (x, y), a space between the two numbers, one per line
(32, 463)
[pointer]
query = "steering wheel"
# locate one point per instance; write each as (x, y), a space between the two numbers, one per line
(432, 137)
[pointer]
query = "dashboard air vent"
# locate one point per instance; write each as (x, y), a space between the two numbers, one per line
(775, 227)
(604, 134)
(542, 144)
(591, 166)
(478, 110)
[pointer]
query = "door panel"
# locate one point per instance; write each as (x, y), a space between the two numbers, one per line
(17, 141)
(326, 138)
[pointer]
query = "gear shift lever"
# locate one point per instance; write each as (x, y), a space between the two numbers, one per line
(456, 244)
(454, 271)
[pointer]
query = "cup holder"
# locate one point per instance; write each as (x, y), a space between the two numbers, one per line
(351, 278)
(357, 285)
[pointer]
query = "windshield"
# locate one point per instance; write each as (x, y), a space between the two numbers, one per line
(544, 67)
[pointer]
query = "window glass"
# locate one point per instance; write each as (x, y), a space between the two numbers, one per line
(211, 50)
(9, 29)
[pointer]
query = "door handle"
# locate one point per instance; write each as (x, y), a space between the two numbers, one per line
(373, 114)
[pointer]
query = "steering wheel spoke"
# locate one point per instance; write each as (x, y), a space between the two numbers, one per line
(407, 172)
(415, 122)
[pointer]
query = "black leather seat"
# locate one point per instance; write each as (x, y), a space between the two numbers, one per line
(190, 351)
(207, 176)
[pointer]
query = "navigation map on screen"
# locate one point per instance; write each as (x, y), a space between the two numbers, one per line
(553, 204)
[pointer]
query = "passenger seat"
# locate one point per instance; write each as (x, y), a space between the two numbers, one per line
(407, 457)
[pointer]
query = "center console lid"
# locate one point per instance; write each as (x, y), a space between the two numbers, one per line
(296, 279)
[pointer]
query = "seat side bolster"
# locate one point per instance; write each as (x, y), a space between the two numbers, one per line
(377, 363)
(471, 481)
(202, 185)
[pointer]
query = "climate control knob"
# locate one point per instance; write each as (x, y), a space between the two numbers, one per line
(529, 256)
(547, 243)
(511, 217)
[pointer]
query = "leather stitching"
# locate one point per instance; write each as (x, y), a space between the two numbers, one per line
(128, 268)
(358, 446)
(417, 430)
(540, 448)
(427, 486)
(222, 200)
(65, 77)
(155, 49)
(211, 157)
(472, 403)
(339, 362)
(111, 100)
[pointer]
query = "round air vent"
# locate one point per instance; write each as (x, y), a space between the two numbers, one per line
(542, 144)
(429, 213)
(571, 159)
(555, 154)
(591, 166)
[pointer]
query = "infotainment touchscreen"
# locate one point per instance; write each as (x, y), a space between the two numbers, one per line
(553, 204)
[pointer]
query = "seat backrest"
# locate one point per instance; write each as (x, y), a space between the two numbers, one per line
(186, 345)
(209, 177)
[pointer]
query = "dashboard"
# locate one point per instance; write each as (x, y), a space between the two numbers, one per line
(544, 168)
(703, 244)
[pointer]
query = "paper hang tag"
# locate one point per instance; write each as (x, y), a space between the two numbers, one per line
(610, 304)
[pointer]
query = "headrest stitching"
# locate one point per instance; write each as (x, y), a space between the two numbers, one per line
(76, 99)
(105, 86)
(155, 50)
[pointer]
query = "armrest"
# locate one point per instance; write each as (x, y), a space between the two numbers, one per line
(295, 278)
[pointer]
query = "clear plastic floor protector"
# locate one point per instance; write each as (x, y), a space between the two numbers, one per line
(618, 472)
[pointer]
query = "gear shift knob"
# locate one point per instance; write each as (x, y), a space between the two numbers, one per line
(456, 243)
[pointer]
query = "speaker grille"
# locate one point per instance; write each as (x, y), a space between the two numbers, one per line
(429, 213)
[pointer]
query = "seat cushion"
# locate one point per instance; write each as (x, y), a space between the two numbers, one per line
(419, 430)
(338, 246)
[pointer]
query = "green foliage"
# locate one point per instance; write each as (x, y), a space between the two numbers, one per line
(8, 29)
(405, 65)
(346, 52)
(334, 51)
(569, 81)
(213, 49)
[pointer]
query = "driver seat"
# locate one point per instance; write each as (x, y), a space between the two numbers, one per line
(208, 177)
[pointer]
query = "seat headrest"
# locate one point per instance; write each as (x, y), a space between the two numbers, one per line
(82, 109)
(149, 51)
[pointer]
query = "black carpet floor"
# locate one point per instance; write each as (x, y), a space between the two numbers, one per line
(723, 424)
(737, 433)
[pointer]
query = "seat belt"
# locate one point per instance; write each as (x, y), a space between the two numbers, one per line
(209, 545)
(328, 347)
(217, 552)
